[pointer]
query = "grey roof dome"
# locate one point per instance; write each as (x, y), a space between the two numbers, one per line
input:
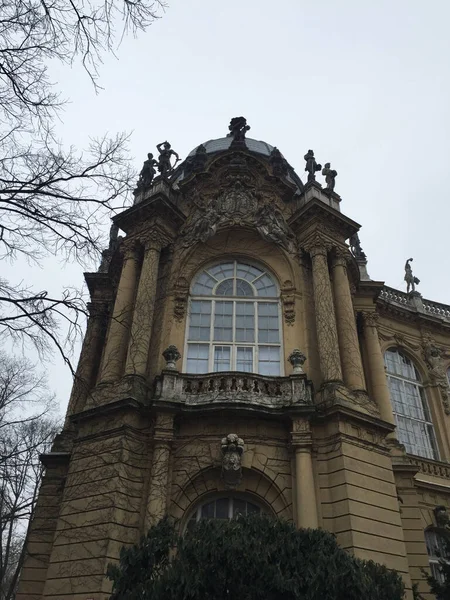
(224, 143)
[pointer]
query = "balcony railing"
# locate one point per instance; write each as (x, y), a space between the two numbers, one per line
(233, 388)
(417, 303)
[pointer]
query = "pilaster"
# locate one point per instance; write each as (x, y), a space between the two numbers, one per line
(305, 497)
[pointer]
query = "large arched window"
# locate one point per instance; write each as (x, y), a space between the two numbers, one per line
(414, 427)
(234, 321)
(438, 550)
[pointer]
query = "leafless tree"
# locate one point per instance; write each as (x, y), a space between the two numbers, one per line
(53, 198)
(26, 430)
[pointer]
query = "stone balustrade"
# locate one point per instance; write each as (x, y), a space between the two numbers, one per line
(233, 388)
(437, 309)
(431, 467)
(416, 303)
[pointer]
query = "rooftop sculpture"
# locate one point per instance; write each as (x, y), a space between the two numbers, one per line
(165, 154)
(148, 172)
(330, 176)
(311, 165)
(238, 128)
(411, 281)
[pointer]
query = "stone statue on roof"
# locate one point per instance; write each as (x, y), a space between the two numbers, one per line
(238, 128)
(355, 246)
(165, 154)
(148, 172)
(330, 176)
(411, 281)
(311, 165)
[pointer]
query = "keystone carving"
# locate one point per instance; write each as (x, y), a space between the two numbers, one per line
(180, 298)
(288, 301)
(232, 450)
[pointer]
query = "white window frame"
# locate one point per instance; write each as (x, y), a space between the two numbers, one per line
(234, 345)
(435, 540)
(426, 423)
(197, 512)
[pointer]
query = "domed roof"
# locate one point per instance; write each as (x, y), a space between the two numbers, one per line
(224, 143)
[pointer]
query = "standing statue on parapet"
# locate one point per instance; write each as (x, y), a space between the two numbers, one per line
(355, 246)
(238, 128)
(165, 153)
(311, 165)
(330, 176)
(411, 281)
(148, 172)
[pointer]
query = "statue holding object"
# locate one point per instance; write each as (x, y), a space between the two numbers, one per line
(311, 165)
(411, 281)
(330, 176)
(148, 172)
(165, 153)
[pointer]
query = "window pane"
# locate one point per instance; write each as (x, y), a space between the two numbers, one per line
(243, 288)
(245, 322)
(268, 323)
(200, 320)
(269, 360)
(197, 358)
(222, 355)
(222, 508)
(208, 510)
(225, 288)
(248, 272)
(252, 509)
(223, 322)
(244, 360)
(204, 285)
(265, 286)
(239, 507)
(222, 271)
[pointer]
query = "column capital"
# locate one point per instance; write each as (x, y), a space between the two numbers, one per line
(316, 245)
(370, 318)
(301, 434)
(340, 257)
(130, 249)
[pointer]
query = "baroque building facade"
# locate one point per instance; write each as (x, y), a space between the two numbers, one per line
(239, 358)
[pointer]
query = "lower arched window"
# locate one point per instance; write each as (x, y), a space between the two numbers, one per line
(226, 507)
(438, 550)
(414, 426)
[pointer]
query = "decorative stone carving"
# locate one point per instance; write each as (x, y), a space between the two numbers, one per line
(236, 204)
(288, 302)
(311, 166)
(370, 318)
(180, 298)
(238, 128)
(442, 517)
(411, 281)
(147, 173)
(232, 450)
(107, 254)
(297, 360)
(330, 176)
(355, 247)
(197, 162)
(279, 164)
(165, 154)
(171, 356)
(433, 356)
(272, 226)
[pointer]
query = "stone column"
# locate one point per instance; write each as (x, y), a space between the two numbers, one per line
(325, 317)
(377, 372)
(306, 501)
(141, 328)
(117, 339)
(346, 327)
(159, 476)
(84, 378)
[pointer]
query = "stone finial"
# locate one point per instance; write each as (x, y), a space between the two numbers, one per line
(297, 360)
(311, 165)
(411, 281)
(232, 450)
(441, 516)
(171, 355)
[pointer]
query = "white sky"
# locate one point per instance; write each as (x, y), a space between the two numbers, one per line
(365, 84)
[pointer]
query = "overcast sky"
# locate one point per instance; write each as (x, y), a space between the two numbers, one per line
(365, 84)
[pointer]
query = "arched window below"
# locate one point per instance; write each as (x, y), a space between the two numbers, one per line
(226, 507)
(437, 549)
(414, 426)
(234, 321)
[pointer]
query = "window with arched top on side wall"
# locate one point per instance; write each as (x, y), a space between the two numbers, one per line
(234, 321)
(409, 403)
(437, 549)
(224, 507)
